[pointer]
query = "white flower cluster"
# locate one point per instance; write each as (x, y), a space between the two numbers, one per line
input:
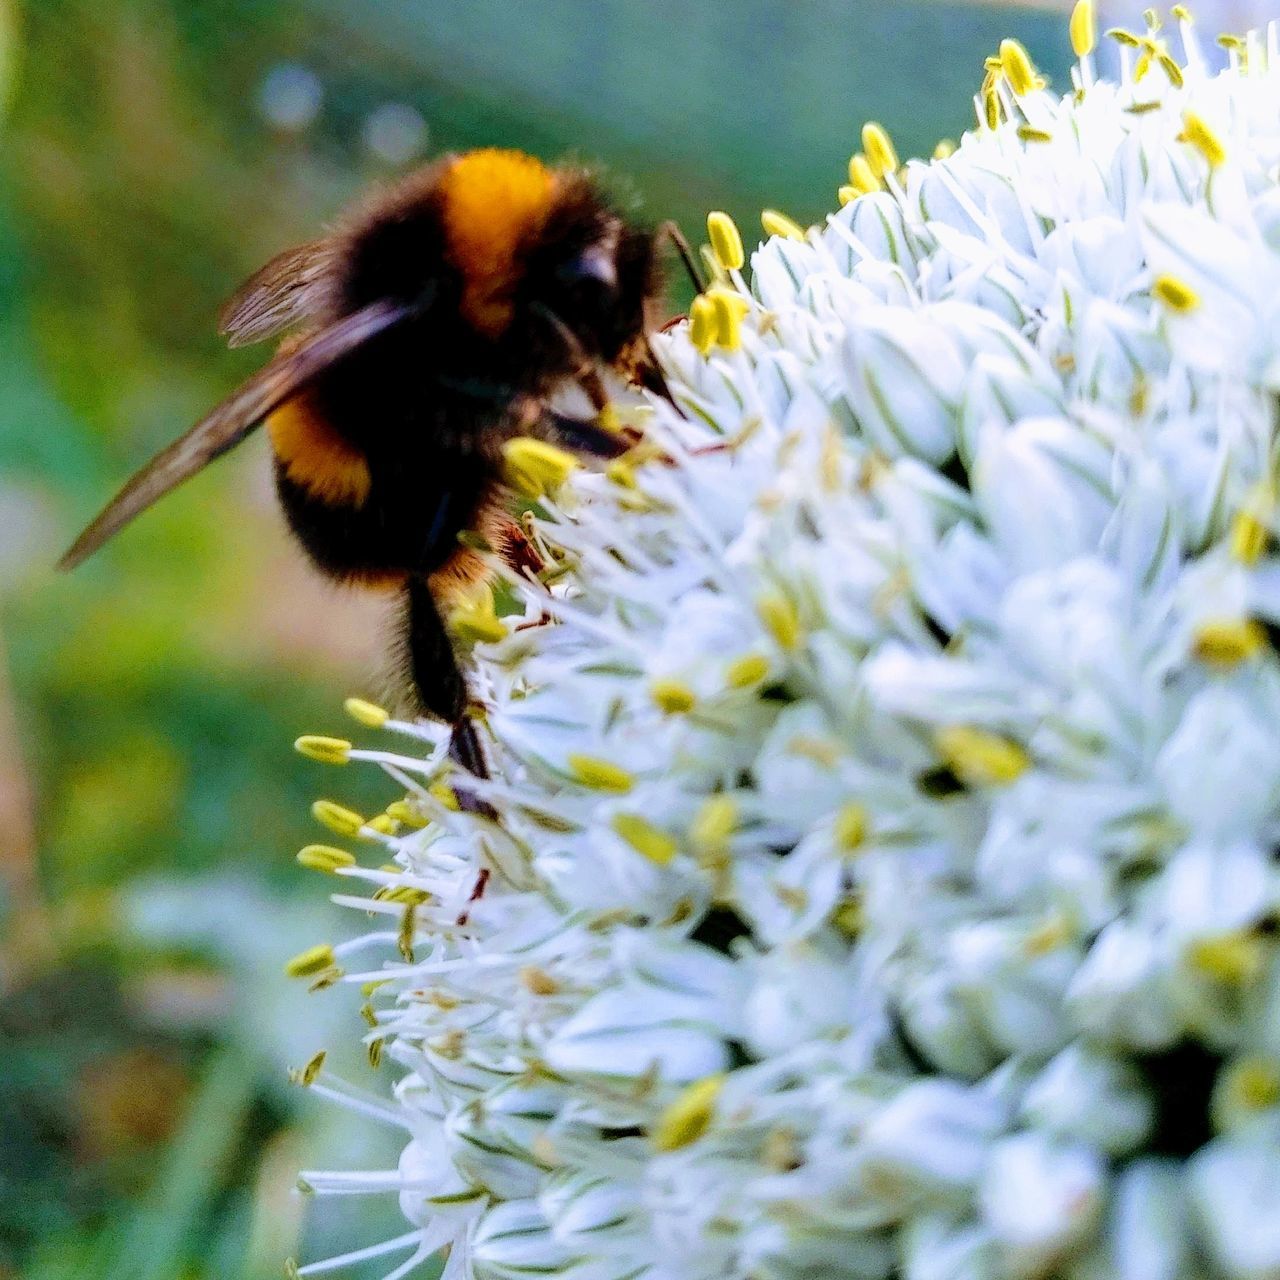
(886, 762)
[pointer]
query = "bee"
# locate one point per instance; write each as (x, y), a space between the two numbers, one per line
(437, 322)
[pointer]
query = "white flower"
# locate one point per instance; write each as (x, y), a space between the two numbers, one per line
(883, 879)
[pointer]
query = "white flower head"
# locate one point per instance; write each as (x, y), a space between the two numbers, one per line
(877, 873)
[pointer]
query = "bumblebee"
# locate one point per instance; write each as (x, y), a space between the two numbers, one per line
(436, 323)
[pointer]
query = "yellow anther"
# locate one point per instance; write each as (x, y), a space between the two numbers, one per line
(979, 758)
(862, 177)
(1232, 43)
(1182, 14)
(444, 795)
(776, 223)
(851, 826)
(1234, 957)
(743, 672)
(538, 981)
(730, 306)
(1176, 294)
(689, 1116)
(780, 619)
(1249, 537)
(308, 1074)
(407, 932)
(849, 916)
(338, 818)
(847, 195)
(383, 823)
(991, 109)
(1084, 28)
(1018, 68)
(703, 325)
(326, 750)
(366, 713)
(1126, 38)
(405, 814)
(623, 474)
(944, 150)
(324, 857)
(1197, 132)
(654, 843)
(608, 420)
(673, 696)
(878, 147)
(714, 824)
(475, 619)
(1227, 642)
(535, 467)
(726, 243)
(374, 1050)
(600, 775)
(1047, 936)
(1028, 133)
(1253, 1082)
(311, 961)
(1171, 69)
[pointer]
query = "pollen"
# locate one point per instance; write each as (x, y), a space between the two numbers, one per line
(673, 696)
(780, 619)
(646, 839)
(338, 818)
(726, 243)
(325, 750)
(878, 149)
(475, 619)
(689, 1116)
(1084, 28)
(851, 826)
(702, 324)
(366, 713)
(600, 775)
(776, 223)
(1227, 642)
(1198, 133)
(323, 857)
(730, 307)
(492, 202)
(1018, 68)
(1249, 533)
(714, 824)
(312, 961)
(746, 671)
(1176, 294)
(980, 758)
(535, 467)
(862, 177)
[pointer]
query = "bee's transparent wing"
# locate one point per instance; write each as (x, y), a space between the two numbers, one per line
(291, 289)
(234, 419)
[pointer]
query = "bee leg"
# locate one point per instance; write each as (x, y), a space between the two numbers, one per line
(673, 233)
(588, 437)
(440, 686)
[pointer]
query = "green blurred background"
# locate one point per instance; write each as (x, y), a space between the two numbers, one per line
(152, 152)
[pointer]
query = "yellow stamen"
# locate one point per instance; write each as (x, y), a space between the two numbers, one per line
(730, 306)
(374, 1050)
(979, 758)
(311, 961)
(780, 619)
(444, 795)
(862, 177)
(1227, 642)
(1197, 132)
(1018, 68)
(600, 775)
(851, 826)
(743, 672)
(689, 1116)
(308, 1074)
(1171, 69)
(848, 916)
(537, 981)
(475, 620)
(1234, 957)
(1027, 133)
(338, 818)
(991, 108)
(847, 195)
(326, 750)
(715, 823)
(702, 323)
(404, 813)
(535, 467)
(1253, 1082)
(324, 857)
(1126, 38)
(726, 243)
(776, 223)
(944, 150)
(673, 696)
(1182, 14)
(1250, 530)
(383, 824)
(655, 844)
(366, 713)
(407, 932)
(1084, 28)
(1176, 294)
(878, 147)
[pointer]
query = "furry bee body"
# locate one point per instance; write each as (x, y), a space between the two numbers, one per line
(432, 327)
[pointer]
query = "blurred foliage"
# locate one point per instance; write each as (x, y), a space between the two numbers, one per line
(153, 152)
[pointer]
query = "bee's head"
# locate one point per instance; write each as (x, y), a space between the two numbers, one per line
(592, 270)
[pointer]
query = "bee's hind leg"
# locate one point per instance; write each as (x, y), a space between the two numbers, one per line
(440, 686)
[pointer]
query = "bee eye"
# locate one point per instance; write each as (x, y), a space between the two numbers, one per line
(593, 267)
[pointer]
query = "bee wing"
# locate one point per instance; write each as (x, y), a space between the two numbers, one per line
(291, 288)
(234, 419)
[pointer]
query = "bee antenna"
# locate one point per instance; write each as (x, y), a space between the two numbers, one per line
(671, 230)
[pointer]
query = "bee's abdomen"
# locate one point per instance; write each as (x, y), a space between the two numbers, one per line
(315, 457)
